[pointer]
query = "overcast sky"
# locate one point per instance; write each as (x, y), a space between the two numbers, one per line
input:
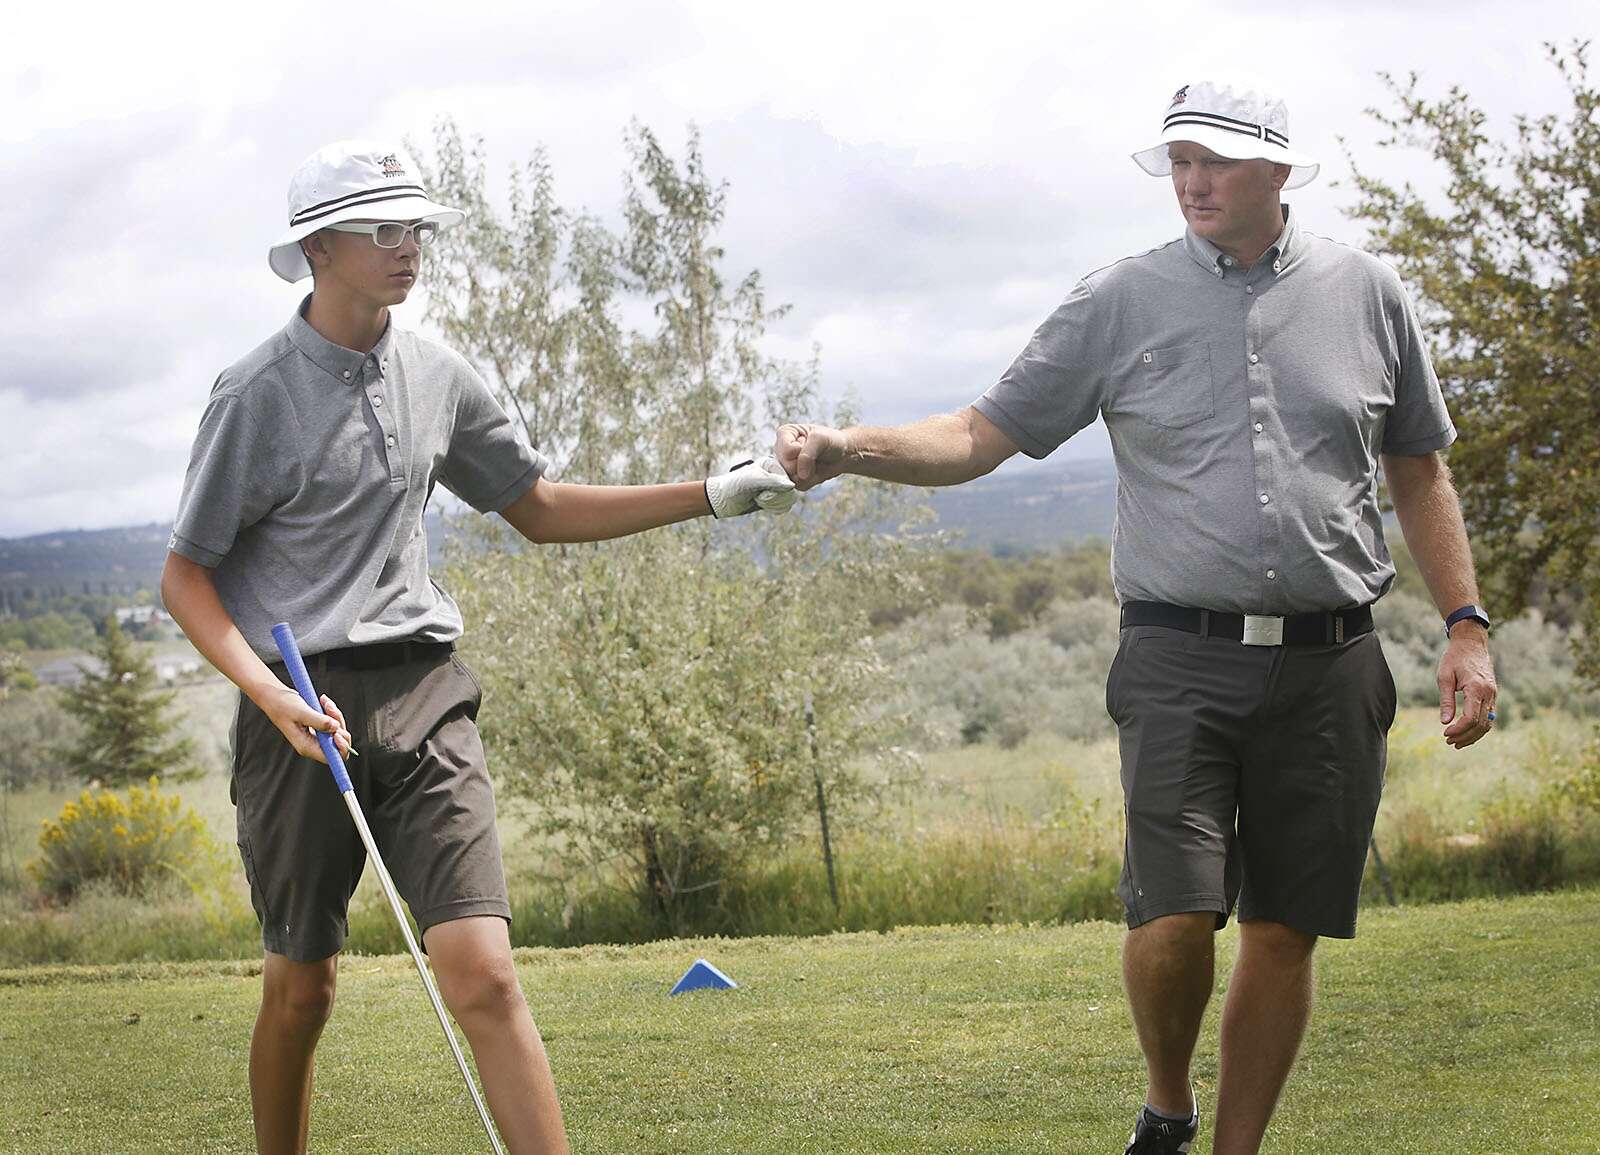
(922, 182)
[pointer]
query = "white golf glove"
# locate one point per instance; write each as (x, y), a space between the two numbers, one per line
(749, 486)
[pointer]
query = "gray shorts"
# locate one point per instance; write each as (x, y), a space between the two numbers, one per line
(1250, 774)
(421, 781)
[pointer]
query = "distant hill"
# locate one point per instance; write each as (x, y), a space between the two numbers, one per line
(1021, 510)
(85, 561)
(1038, 507)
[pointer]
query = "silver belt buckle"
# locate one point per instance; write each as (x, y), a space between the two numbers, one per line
(1262, 631)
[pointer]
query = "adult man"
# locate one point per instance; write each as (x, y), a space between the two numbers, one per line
(1250, 376)
(304, 502)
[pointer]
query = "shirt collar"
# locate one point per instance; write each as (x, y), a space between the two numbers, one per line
(1279, 255)
(343, 365)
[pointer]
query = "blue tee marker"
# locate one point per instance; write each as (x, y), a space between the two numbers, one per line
(703, 976)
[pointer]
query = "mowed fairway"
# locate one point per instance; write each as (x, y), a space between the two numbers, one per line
(1467, 1028)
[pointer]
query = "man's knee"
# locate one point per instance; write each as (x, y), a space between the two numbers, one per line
(1183, 932)
(1273, 939)
(297, 992)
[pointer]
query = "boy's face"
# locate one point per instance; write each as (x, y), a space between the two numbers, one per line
(354, 264)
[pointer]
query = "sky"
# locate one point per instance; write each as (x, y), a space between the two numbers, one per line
(922, 183)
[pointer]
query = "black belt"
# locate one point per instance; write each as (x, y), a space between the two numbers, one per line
(380, 655)
(1319, 629)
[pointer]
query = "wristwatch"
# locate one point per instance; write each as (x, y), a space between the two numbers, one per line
(1474, 612)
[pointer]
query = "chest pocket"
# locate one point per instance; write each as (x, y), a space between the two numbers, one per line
(1173, 387)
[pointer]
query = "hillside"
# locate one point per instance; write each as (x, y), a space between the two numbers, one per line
(1020, 510)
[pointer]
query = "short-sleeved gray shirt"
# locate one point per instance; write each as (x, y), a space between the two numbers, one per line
(309, 476)
(1247, 409)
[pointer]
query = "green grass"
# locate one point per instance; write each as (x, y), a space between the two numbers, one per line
(1482, 1017)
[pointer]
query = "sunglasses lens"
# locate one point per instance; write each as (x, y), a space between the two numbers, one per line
(425, 232)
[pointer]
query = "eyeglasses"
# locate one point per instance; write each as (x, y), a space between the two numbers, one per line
(392, 234)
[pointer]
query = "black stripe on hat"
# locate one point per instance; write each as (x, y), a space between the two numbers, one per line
(1227, 124)
(365, 196)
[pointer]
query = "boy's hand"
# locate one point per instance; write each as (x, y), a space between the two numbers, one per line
(297, 721)
(749, 486)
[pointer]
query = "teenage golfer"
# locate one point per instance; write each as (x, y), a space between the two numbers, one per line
(304, 503)
(1252, 375)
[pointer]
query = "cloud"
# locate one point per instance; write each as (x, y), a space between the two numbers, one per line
(922, 184)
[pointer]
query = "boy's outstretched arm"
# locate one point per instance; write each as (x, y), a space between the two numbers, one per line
(191, 598)
(554, 511)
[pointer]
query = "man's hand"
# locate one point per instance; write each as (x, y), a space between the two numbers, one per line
(296, 721)
(750, 486)
(810, 454)
(1466, 668)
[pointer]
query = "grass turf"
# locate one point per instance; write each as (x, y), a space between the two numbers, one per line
(1472, 1027)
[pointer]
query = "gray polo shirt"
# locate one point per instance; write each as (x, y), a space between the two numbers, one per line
(309, 477)
(1247, 409)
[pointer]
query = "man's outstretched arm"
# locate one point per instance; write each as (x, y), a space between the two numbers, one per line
(946, 449)
(1430, 518)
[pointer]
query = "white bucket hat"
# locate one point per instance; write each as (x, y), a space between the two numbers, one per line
(1232, 121)
(352, 180)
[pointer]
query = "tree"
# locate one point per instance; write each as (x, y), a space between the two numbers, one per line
(127, 735)
(649, 693)
(1506, 271)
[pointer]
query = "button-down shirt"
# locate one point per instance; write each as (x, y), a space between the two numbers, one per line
(310, 474)
(1247, 407)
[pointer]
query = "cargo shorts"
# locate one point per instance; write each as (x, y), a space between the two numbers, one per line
(1250, 775)
(422, 783)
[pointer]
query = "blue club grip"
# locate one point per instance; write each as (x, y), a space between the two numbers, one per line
(290, 649)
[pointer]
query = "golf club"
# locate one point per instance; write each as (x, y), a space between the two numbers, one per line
(290, 649)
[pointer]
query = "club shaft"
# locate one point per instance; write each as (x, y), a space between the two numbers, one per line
(422, 967)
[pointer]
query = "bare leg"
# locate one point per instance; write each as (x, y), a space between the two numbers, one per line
(472, 961)
(1268, 1006)
(296, 1000)
(1167, 967)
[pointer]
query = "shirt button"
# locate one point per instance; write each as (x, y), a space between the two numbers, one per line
(1254, 358)
(1258, 427)
(1264, 499)
(1277, 266)
(1228, 261)
(347, 374)
(391, 441)
(377, 400)
(1271, 573)
(1250, 289)
(385, 365)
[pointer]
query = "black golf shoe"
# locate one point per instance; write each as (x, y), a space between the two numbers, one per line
(1153, 1135)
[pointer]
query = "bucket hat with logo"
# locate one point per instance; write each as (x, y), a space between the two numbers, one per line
(1232, 121)
(352, 180)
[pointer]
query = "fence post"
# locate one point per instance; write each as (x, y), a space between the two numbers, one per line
(822, 802)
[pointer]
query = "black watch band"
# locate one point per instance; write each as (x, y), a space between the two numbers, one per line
(1475, 612)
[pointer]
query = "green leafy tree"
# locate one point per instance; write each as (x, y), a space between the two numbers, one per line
(650, 693)
(128, 735)
(1505, 266)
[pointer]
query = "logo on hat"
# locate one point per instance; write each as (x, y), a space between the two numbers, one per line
(391, 166)
(1181, 95)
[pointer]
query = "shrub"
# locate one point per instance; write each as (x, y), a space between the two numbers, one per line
(127, 842)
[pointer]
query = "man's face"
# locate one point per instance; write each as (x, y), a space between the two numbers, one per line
(361, 268)
(1225, 200)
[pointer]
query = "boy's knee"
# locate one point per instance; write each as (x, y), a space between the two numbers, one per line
(299, 992)
(487, 988)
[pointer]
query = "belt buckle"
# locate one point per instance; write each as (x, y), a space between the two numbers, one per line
(1260, 630)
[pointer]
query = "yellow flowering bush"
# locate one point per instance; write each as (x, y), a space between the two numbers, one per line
(128, 840)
